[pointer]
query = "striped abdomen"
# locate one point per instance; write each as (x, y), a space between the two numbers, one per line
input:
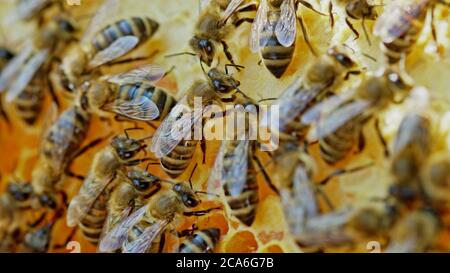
(202, 241)
(243, 206)
(92, 224)
(403, 43)
(275, 56)
(141, 27)
(160, 97)
(29, 102)
(66, 135)
(177, 161)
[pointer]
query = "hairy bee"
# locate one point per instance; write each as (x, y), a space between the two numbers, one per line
(60, 145)
(327, 72)
(345, 115)
(400, 25)
(274, 32)
(143, 231)
(26, 74)
(88, 209)
(436, 180)
(415, 232)
(201, 241)
(131, 94)
(102, 46)
(173, 142)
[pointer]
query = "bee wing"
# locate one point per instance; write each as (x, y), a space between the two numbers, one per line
(305, 192)
(27, 9)
(231, 8)
(141, 108)
(82, 202)
(148, 73)
(215, 178)
(176, 126)
(114, 239)
(398, 18)
(13, 67)
(258, 25)
(116, 50)
(106, 10)
(142, 243)
(109, 224)
(236, 175)
(286, 28)
(338, 118)
(27, 74)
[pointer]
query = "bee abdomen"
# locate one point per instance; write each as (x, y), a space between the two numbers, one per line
(202, 241)
(334, 147)
(141, 27)
(277, 57)
(177, 161)
(29, 102)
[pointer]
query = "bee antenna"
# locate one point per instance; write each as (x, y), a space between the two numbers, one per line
(145, 138)
(131, 129)
(233, 65)
(180, 54)
(203, 68)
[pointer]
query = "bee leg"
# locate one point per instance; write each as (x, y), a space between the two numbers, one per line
(366, 34)
(340, 172)
(89, 146)
(38, 221)
(309, 6)
(200, 212)
(352, 28)
(305, 35)
(228, 53)
(327, 200)
(382, 140)
(350, 73)
(239, 22)
(252, 6)
(69, 173)
(330, 12)
(265, 174)
(52, 90)
(361, 142)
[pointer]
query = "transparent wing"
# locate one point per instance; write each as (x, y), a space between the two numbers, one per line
(117, 49)
(142, 243)
(140, 108)
(203, 4)
(114, 239)
(13, 67)
(258, 25)
(147, 73)
(231, 8)
(82, 202)
(107, 10)
(110, 223)
(304, 192)
(28, 9)
(235, 173)
(338, 118)
(398, 18)
(27, 74)
(286, 28)
(215, 178)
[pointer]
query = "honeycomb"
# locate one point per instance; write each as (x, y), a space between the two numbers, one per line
(19, 144)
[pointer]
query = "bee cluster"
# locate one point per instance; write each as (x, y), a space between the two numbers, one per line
(97, 122)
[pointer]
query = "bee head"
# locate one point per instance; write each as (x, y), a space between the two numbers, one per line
(141, 180)
(186, 194)
(65, 25)
(222, 82)
(47, 200)
(398, 84)
(38, 240)
(204, 48)
(340, 55)
(126, 148)
(20, 191)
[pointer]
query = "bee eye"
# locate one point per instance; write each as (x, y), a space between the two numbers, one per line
(47, 201)
(206, 46)
(344, 60)
(141, 185)
(66, 26)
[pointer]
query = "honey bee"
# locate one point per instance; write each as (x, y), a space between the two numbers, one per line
(328, 71)
(346, 114)
(143, 231)
(274, 32)
(435, 180)
(60, 145)
(201, 241)
(357, 10)
(416, 232)
(131, 94)
(411, 151)
(88, 209)
(400, 25)
(100, 47)
(24, 76)
(172, 142)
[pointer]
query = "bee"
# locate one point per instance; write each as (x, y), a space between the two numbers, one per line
(100, 47)
(201, 241)
(24, 76)
(211, 28)
(60, 145)
(172, 142)
(274, 33)
(88, 209)
(357, 10)
(143, 231)
(131, 94)
(38, 240)
(328, 71)
(346, 114)
(400, 25)
(411, 151)
(5, 56)
(416, 232)
(435, 180)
